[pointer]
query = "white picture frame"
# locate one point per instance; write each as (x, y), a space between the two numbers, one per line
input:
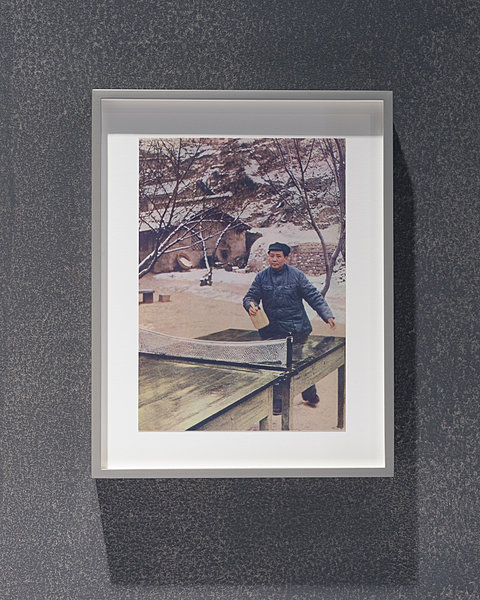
(364, 118)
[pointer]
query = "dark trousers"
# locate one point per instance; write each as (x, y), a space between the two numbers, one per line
(308, 395)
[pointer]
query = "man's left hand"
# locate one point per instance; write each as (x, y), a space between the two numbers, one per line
(331, 322)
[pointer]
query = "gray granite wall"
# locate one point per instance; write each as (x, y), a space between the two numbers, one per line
(67, 536)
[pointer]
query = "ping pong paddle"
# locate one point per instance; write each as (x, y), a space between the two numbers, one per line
(260, 319)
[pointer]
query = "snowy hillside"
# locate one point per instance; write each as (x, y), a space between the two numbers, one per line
(283, 189)
(250, 170)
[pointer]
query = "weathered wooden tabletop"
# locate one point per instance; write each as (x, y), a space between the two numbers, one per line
(176, 395)
(312, 360)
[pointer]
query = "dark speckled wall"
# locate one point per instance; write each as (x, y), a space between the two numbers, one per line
(66, 536)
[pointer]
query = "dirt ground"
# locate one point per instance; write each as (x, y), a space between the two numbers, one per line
(195, 311)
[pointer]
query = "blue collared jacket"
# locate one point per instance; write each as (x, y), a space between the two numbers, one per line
(282, 294)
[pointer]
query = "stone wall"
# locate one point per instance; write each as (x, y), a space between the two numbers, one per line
(308, 257)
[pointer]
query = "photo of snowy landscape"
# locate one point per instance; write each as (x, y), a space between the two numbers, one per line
(208, 210)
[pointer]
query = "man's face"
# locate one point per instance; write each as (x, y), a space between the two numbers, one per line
(276, 259)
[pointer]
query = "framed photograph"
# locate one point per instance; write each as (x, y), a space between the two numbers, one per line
(242, 284)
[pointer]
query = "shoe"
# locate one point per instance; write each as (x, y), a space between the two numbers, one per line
(313, 402)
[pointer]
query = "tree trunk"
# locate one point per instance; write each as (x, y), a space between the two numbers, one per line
(205, 257)
(326, 285)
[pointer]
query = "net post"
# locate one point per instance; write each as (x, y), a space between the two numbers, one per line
(289, 351)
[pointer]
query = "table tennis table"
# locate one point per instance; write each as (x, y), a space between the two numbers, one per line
(181, 394)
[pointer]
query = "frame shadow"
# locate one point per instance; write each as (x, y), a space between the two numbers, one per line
(284, 531)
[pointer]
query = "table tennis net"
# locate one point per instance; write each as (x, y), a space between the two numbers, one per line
(262, 353)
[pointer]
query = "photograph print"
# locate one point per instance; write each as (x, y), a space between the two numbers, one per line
(242, 278)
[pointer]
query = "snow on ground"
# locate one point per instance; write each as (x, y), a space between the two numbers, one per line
(293, 234)
(233, 285)
(251, 169)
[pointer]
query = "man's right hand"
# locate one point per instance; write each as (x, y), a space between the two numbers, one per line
(252, 311)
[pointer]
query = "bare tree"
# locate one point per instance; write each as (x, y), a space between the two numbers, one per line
(308, 175)
(231, 223)
(334, 155)
(178, 201)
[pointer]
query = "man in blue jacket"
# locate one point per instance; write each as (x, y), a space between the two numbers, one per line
(282, 288)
